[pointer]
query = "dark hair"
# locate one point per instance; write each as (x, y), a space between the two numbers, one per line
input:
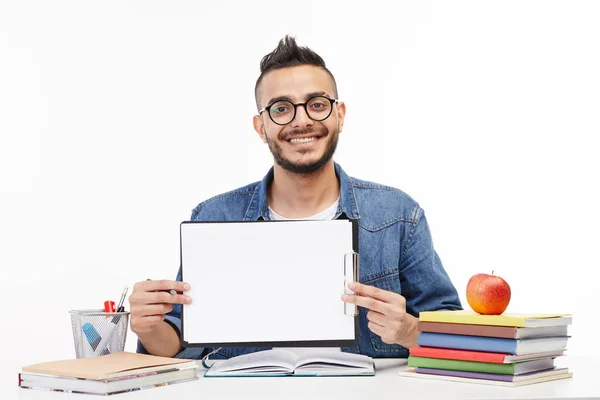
(289, 54)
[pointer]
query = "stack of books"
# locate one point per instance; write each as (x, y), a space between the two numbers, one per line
(109, 374)
(505, 350)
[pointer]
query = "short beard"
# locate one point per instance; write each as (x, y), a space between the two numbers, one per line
(304, 169)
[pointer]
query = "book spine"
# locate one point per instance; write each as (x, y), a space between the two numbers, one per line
(469, 329)
(466, 374)
(453, 354)
(463, 342)
(471, 319)
(459, 365)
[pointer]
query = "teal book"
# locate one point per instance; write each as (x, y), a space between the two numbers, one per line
(486, 367)
(279, 362)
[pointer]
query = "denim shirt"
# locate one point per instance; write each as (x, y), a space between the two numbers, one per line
(395, 250)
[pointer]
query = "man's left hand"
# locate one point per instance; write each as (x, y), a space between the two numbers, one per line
(387, 314)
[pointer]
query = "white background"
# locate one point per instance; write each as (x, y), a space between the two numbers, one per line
(118, 117)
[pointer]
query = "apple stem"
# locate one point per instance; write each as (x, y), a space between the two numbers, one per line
(492, 272)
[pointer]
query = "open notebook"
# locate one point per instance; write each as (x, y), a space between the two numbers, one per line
(278, 362)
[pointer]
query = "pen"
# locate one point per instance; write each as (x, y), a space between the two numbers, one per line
(122, 299)
(172, 291)
(101, 349)
(120, 307)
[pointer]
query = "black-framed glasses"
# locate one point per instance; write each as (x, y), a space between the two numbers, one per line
(282, 112)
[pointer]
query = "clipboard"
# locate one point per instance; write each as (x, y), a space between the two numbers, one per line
(269, 283)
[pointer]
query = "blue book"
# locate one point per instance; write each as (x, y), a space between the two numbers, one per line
(492, 344)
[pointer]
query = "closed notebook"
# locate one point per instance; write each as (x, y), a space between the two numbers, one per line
(108, 374)
(490, 344)
(487, 379)
(475, 366)
(493, 331)
(278, 362)
(107, 386)
(480, 356)
(506, 319)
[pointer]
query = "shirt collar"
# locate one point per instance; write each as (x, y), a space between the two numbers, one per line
(259, 205)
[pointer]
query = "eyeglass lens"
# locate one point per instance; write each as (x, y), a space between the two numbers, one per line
(283, 112)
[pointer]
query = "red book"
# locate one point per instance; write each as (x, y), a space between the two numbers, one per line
(480, 356)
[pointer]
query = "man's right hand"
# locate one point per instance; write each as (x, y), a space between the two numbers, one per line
(150, 301)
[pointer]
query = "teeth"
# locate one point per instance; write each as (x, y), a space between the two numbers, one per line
(303, 140)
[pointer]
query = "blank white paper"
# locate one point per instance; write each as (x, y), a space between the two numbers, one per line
(265, 281)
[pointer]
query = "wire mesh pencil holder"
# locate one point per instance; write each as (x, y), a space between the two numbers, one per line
(97, 333)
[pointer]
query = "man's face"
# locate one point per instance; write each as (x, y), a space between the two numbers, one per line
(318, 138)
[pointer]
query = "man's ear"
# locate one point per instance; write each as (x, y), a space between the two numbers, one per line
(259, 127)
(341, 113)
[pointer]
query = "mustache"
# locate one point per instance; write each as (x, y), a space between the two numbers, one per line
(288, 135)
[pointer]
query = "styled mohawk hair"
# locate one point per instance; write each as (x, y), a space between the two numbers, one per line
(289, 54)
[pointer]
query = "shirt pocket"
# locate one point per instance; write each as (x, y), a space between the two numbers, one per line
(389, 280)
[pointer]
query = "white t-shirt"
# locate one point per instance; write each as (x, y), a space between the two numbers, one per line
(327, 214)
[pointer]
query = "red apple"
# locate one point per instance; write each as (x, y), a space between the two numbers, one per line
(488, 294)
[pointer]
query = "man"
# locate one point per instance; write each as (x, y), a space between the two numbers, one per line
(300, 119)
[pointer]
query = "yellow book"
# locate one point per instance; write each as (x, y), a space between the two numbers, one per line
(506, 319)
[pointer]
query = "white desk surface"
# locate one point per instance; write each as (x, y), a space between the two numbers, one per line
(387, 384)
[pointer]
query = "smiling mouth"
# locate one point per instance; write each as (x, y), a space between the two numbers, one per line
(303, 140)
(306, 139)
